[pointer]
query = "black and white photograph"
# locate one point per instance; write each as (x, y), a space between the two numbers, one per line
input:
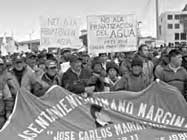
(65, 65)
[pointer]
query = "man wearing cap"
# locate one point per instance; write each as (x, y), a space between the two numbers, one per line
(96, 81)
(51, 76)
(22, 76)
(135, 80)
(75, 78)
(31, 61)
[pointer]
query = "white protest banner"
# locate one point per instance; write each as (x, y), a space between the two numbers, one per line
(11, 47)
(112, 33)
(59, 32)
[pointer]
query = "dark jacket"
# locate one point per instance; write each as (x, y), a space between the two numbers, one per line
(131, 83)
(74, 82)
(177, 79)
(29, 81)
(147, 66)
(51, 80)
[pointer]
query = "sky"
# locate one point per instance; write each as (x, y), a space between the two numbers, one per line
(20, 18)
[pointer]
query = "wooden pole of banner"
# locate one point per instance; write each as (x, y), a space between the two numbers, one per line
(157, 14)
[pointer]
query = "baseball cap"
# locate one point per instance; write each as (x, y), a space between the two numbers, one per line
(74, 58)
(51, 64)
(137, 62)
(18, 58)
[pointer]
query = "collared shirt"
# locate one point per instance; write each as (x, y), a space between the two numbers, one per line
(78, 73)
(102, 123)
(174, 69)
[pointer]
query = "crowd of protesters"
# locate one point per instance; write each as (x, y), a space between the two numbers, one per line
(83, 74)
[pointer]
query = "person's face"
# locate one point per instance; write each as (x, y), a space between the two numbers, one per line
(177, 60)
(41, 66)
(145, 51)
(124, 69)
(19, 65)
(121, 56)
(136, 70)
(88, 65)
(112, 55)
(66, 55)
(85, 61)
(103, 58)
(76, 66)
(52, 71)
(102, 116)
(112, 73)
(32, 61)
(97, 68)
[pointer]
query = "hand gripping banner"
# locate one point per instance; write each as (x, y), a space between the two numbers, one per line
(157, 113)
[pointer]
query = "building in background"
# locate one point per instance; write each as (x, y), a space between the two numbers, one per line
(32, 45)
(173, 27)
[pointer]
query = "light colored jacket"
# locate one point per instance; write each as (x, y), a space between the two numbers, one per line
(29, 81)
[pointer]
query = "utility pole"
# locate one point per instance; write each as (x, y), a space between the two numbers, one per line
(157, 14)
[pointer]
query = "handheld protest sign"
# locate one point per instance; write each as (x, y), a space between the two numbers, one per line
(112, 33)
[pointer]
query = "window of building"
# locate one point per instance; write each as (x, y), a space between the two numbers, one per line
(177, 26)
(170, 17)
(183, 43)
(177, 17)
(176, 36)
(170, 26)
(183, 36)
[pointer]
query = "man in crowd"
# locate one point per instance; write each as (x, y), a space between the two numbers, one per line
(113, 77)
(22, 76)
(75, 78)
(6, 99)
(103, 57)
(51, 76)
(135, 80)
(96, 82)
(41, 66)
(31, 61)
(143, 54)
(173, 73)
